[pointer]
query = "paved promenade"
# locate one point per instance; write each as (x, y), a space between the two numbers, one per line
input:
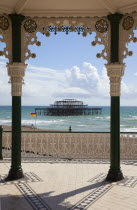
(55, 184)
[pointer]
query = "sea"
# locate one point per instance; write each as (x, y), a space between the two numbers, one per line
(90, 123)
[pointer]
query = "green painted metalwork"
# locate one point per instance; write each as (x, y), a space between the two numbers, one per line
(1, 130)
(16, 170)
(115, 173)
(115, 134)
(114, 21)
(66, 132)
(16, 132)
(16, 36)
(58, 131)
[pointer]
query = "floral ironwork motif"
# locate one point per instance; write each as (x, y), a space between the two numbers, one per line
(101, 26)
(30, 26)
(128, 23)
(4, 23)
(67, 29)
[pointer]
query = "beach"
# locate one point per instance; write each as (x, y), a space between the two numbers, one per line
(26, 128)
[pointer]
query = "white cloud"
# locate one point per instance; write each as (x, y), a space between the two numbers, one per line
(89, 79)
(72, 92)
(44, 85)
(5, 89)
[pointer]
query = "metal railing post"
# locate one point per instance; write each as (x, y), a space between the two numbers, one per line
(1, 130)
(70, 129)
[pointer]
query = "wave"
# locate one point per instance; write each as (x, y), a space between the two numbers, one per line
(42, 121)
(134, 117)
(126, 126)
(103, 118)
(98, 117)
(129, 118)
(8, 117)
(128, 129)
(3, 122)
(81, 125)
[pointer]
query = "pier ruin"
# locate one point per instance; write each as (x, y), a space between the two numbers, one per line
(68, 107)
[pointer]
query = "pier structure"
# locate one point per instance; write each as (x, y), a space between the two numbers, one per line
(68, 107)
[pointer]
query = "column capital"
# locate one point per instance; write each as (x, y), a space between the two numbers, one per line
(115, 18)
(115, 71)
(16, 71)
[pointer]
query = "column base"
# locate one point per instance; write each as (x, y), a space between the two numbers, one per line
(114, 176)
(1, 158)
(14, 175)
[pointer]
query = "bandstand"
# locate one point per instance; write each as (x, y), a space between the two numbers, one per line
(112, 21)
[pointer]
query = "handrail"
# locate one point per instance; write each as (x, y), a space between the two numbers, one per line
(54, 132)
(66, 132)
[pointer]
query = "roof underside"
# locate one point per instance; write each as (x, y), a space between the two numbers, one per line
(46, 8)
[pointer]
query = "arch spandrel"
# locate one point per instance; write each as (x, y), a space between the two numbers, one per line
(126, 35)
(6, 37)
(80, 25)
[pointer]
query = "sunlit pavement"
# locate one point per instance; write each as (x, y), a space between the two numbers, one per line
(60, 184)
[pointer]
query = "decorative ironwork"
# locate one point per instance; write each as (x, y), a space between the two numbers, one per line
(135, 39)
(33, 55)
(71, 145)
(128, 23)
(101, 26)
(130, 53)
(1, 53)
(4, 23)
(67, 29)
(127, 35)
(5, 36)
(80, 25)
(53, 29)
(98, 55)
(93, 43)
(38, 43)
(30, 26)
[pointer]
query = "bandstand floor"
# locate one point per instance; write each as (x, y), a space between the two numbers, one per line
(56, 184)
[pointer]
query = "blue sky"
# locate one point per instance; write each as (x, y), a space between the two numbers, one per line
(66, 67)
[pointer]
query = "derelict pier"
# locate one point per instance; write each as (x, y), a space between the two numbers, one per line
(68, 107)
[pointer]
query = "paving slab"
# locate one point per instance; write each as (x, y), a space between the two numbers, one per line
(73, 185)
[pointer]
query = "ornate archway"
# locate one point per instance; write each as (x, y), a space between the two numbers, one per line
(113, 32)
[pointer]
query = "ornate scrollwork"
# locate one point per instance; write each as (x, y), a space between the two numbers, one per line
(4, 23)
(80, 25)
(5, 36)
(127, 35)
(128, 23)
(101, 26)
(30, 26)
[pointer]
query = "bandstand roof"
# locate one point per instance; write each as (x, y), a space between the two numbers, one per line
(41, 8)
